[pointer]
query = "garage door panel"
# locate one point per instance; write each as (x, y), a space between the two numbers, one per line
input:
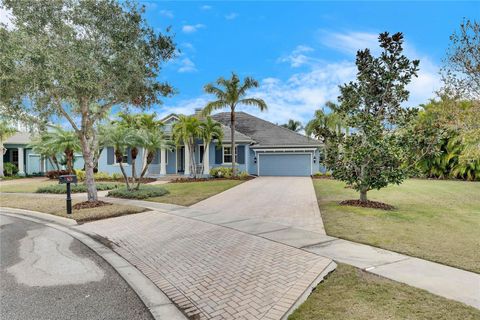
(285, 164)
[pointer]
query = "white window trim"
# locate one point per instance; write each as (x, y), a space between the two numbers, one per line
(115, 163)
(223, 154)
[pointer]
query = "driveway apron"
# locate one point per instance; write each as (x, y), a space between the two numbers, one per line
(284, 201)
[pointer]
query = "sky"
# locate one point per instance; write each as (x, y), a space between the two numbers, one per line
(300, 52)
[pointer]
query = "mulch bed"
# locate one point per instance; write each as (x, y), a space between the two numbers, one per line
(90, 204)
(367, 204)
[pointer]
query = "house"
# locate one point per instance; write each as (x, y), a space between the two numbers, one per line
(262, 148)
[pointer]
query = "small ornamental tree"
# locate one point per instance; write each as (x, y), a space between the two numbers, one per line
(75, 60)
(372, 157)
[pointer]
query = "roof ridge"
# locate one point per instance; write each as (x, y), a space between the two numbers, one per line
(279, 126)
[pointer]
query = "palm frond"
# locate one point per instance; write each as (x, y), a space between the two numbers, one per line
(257, 102)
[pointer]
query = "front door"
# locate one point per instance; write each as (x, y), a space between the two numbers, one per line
(181, 159)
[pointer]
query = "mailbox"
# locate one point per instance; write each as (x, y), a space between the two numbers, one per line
(68, 178)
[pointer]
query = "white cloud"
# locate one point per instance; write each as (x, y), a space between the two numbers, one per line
(231, 16)
(187, 65)
(6, 17)
(298, 57)
(167, 13)
(350, 42)
(187, 45)
(206, 7)
(192, 28)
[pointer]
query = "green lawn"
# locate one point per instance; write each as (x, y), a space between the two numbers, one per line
(25, 185)
(434, 220)
(188, 193)
(350, 293)
(56, 206)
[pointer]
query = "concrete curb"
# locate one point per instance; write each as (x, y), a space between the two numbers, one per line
(154, 299)
(44, 216)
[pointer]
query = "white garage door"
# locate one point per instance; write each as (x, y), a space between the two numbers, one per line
(284, 164)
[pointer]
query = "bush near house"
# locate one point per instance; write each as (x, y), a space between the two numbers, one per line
(60, 188)
(227, 173)
(144, 192)
(9, 169)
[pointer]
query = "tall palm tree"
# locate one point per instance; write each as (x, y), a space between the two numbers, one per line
(185, 131)
(6, 131)
(230, 93)
(209, 130)
(293, 125)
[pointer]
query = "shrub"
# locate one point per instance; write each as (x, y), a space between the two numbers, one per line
(81, 175)
(61, 188)
(221, 172)
(103, 176)
(54, 174)
(117, 176)
(9, 169)
(243, 175)
(143, 193)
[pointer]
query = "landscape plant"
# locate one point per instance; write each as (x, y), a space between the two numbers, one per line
(6, 131)
(230, 93)
(76, 60)
(185, 132)
(209, 130)
(372, 157)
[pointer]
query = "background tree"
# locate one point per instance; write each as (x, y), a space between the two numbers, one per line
(230, 93)
(78, 59)
(293, 125)
(41, 144)
(371, 157)
(461, 76)
(6, 131)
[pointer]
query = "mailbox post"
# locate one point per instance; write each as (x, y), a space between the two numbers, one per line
(68, 178)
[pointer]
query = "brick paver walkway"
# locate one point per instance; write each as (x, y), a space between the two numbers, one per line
(213, 272)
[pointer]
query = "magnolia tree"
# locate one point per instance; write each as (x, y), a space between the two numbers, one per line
(372, 156)
(75, 60)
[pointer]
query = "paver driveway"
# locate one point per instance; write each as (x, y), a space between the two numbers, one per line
(213, 272)
(288, 201)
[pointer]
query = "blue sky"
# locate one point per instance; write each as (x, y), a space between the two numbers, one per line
(299, 51)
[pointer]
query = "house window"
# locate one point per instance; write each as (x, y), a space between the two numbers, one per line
(202, 151)
(227, 154)
(124, 158)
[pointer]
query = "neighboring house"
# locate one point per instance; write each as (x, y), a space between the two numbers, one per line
(262, 149)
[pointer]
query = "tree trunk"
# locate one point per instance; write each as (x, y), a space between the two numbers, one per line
(193, 164)
(232, 132)
(55, 160)
(134, 154)
(119, 158)
(1, 160)
(363, 195)
(89, 165)
(144, 171)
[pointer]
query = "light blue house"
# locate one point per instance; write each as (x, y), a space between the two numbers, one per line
(262, 149)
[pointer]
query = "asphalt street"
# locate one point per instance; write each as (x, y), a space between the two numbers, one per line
(47, 274)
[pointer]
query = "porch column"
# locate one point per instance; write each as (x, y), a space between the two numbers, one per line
(206, 160)
(187, 160)
(163, 161)
(21, 169)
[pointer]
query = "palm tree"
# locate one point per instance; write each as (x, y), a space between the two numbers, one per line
(185, 131)
(293, 125)
(67, 142)
(210, 130)
(230, 93)
(120, 138)
(153, 139)
(6, 131)
(42, 145)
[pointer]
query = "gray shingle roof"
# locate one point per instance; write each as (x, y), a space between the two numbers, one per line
(238, 136)
(19, 138)
(265, 133)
